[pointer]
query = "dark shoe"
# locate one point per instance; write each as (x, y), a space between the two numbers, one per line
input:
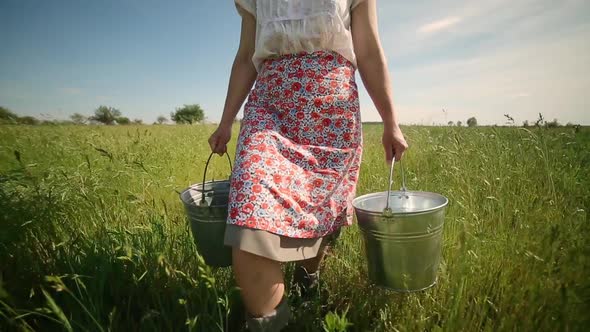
(306, 283)
(273, 322)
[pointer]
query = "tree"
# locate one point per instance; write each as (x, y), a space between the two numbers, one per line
(7, 116)
(472, 122)
(188, 114)
(552, 124)
(78, 118)
(137, 121)
(459, 123)
(525, 123)
(162, 119)
(28, 120)
(106, 115)
(123, 120)
(451, 123)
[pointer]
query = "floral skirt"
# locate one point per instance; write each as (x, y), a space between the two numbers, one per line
(299, 148)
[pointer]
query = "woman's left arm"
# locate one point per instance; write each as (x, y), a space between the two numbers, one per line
(243, 75)
(372, 66)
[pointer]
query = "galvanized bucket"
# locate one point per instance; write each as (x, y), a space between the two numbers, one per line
(402, 233)
(206, 208)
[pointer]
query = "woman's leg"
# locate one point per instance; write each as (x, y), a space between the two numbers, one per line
(261, 282)
(307, 272)
(313, 264)
(306, 276)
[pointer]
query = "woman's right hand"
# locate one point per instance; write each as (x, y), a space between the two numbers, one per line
(219, 139)
(394, 143)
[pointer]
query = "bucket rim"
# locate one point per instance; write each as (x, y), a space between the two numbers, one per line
(182, 195)
(200, 184)
(355, 202)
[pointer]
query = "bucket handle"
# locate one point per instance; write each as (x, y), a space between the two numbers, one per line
(387, 210)
(205, 173)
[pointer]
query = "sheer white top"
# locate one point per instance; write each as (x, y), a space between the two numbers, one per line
(293, 26)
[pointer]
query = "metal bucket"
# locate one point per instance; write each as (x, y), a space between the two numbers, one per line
(206, 207)
(402, 233)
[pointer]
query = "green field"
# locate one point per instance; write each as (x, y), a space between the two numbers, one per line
(93, 236)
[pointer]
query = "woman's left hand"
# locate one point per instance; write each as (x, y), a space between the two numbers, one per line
(394, 143)
(219, 139)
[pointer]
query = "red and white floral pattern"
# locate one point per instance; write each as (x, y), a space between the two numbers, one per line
(299, 147)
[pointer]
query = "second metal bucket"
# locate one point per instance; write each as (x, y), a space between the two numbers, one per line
(206, 205)
(402, 233)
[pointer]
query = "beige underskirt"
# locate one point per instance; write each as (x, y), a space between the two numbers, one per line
(273, 246)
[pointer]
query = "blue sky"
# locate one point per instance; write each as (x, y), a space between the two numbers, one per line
(479, 58)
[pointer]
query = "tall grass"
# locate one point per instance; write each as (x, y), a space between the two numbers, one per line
(93, 236)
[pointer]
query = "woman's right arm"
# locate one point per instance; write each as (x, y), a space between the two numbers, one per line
(372, 66)
(243, 75)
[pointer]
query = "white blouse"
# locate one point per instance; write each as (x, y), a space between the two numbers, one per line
(293, 26)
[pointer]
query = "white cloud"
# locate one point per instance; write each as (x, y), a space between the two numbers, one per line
(439, 25)
(473, 23)
(498, 56)
(544, 76)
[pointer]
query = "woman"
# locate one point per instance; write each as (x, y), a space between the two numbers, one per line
(300, 141)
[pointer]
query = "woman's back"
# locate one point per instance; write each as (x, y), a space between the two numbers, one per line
(293, 26)
(300, 142)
